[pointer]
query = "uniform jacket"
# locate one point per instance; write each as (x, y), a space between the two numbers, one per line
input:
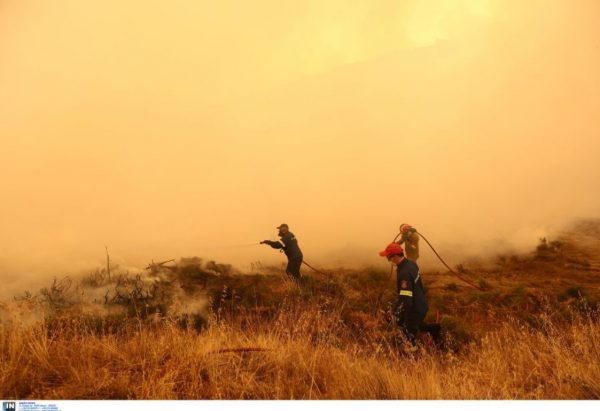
(411, 295)
(289, 244)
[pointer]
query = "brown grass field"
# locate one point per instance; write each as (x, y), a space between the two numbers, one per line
(200, 330)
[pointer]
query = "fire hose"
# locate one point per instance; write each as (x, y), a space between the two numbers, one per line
(313, 268)
(460, 277)
(237, 350)
(308, 265)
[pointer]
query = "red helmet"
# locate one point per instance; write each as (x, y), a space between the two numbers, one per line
(392, 249)
(404, 228)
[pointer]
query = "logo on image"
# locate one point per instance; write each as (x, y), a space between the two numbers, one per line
(9, 406)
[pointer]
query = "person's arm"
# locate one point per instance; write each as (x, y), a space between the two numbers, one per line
(275, 244)
(404, 300)
(402, 239)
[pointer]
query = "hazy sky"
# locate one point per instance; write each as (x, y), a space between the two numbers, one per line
(179, 128)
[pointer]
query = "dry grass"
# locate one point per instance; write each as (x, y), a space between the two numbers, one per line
(306, 356)
(182, 333)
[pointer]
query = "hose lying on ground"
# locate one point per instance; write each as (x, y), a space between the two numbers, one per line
(242, 349)
(313, 268)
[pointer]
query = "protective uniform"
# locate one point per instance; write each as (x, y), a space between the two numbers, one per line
(411, 304)
(289, 245)
(410, 239)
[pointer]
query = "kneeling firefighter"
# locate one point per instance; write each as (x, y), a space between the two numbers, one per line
(411, 306)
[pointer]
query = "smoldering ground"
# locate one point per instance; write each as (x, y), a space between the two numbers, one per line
(176, 290)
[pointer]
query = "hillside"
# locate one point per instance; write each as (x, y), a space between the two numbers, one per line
(197, 329)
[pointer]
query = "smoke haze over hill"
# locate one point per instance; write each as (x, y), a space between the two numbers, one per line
(180, 128)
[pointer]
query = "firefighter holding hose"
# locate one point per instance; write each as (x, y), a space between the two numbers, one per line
(410, 238)
(289, 244)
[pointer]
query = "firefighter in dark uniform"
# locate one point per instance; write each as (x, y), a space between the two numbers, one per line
(411, 305)
(289, 245)
(410, 238)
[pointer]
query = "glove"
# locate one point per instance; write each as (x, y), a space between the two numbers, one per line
(264, 242)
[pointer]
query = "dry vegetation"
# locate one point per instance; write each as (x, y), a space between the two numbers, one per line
(201, 330)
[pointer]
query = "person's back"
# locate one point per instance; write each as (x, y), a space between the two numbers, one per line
(409, 283)
(291, 249)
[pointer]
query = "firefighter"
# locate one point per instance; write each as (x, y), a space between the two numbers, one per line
(411, 306)
(410, 238)
(289, 245)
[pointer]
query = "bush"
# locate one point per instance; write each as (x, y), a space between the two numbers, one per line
(571, 292)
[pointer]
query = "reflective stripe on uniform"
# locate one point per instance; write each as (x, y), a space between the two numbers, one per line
(406, 293)
(282, 243)
(418, 276)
